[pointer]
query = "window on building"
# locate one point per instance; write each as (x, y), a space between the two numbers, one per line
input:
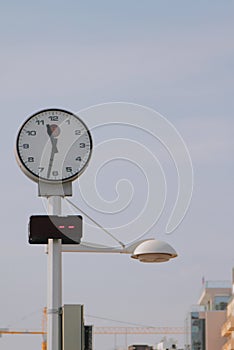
(220, 302)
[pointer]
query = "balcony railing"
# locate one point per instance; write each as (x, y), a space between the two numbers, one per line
(197, 308)
(217, 284)
(228, 327)
(229, 345)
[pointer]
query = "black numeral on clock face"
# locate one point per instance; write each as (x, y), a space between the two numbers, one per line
(31, 159)
(53, 118)
(55, 173)
(40, 122)
(69, 169)
(31, 132)
(25, 145)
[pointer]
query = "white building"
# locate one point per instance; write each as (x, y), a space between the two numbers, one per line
(167, 344)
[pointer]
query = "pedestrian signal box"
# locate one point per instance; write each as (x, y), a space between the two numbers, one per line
(43, 227)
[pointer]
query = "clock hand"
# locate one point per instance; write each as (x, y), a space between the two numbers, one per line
(50, 164)
(54, 148)
(51, 132)
(54, 144)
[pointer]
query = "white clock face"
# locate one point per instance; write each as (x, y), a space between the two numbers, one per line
(53, 145)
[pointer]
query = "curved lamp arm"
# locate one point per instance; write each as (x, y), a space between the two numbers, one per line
(88, 247)
(149, 250)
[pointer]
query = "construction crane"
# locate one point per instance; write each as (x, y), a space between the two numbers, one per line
(108, 330)
(99, 330)
(44, 327)
(23, 332)
(139, 330)
(7, 331)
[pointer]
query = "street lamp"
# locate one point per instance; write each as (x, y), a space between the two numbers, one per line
(154, 251)
(147, 251)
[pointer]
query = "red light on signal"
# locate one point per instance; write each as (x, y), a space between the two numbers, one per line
(70, 226)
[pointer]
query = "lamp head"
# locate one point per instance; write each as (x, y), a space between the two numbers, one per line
(154, 251)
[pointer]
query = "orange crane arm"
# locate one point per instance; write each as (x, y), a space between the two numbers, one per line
(113, 330)
(21, 332)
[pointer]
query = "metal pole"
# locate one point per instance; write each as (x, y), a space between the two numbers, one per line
(54, 289)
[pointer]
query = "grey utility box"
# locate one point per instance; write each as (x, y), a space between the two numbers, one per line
(72, 327)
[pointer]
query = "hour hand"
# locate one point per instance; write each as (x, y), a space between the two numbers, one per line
(49, 130)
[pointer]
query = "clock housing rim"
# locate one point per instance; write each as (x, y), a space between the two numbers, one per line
(38, 178)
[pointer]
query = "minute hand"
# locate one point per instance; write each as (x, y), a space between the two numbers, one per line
(53, 150)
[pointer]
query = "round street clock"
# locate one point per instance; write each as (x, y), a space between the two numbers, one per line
(53, 145)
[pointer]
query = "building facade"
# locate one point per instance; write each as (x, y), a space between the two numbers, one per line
(205, 321)
(227, 330)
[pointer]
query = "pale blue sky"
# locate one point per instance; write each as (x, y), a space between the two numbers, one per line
(173, 56)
